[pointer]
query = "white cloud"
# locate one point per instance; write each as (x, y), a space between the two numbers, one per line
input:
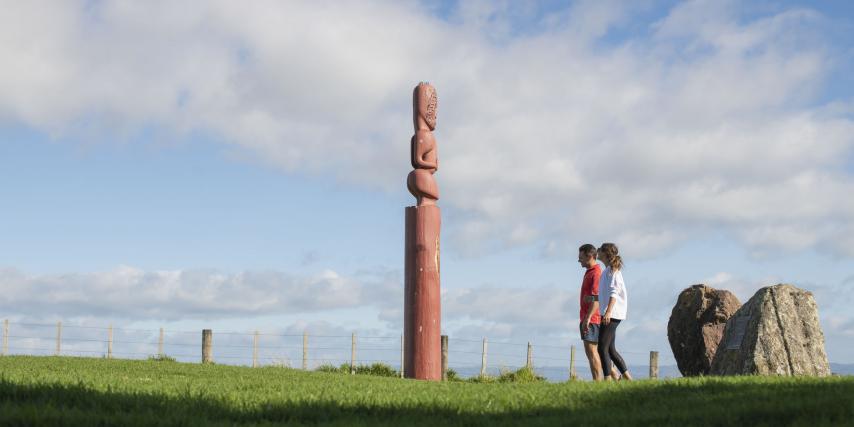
(129, 294)
(709, 120)
(328, 304)
(132, 294)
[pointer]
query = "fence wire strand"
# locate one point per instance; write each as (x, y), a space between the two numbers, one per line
(256, 348)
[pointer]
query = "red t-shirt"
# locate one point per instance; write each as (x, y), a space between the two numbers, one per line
(590, 286)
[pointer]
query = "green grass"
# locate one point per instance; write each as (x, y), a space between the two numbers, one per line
(521, 375)
(161, 358)
(90, 392)
(376, 369)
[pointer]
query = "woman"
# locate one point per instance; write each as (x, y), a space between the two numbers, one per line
(614, 305)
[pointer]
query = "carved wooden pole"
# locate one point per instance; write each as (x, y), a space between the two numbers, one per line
(422, 299)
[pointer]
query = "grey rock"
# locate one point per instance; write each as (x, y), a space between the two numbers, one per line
(696, 326)
(777, 332)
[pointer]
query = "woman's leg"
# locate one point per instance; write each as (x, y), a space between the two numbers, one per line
(613, 354)
(606, 339)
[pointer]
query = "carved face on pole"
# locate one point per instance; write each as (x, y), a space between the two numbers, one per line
(424, 102)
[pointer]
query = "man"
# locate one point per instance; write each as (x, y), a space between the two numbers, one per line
(589, 301)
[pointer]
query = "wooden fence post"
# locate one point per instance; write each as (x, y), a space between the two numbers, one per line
(483, 359)
(572, 374)
(110, 342)
(444, 358)
(58, 337)
(160, 344)
(401, 356)
(255, 350)
(353, 355)
(304, 350)
(653, 364)
(530, 362)
(207, 346)
(5, 337)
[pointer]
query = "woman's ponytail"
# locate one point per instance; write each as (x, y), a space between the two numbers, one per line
(612, 253)
(617, 263)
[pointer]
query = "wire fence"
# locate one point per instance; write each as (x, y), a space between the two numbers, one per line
(467, 356)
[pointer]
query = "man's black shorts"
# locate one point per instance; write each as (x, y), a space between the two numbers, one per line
(591, 334)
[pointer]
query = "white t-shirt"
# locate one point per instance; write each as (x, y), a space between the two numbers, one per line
(611, 286)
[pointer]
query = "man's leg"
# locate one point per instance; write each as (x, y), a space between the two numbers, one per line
(590, 338)
(590, 348)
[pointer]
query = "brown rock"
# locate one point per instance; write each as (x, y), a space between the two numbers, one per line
(777, 332)
(696, 326)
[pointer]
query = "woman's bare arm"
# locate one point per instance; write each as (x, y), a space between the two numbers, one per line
(607, 317)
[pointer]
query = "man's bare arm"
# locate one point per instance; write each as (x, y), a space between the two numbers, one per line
(593, 308)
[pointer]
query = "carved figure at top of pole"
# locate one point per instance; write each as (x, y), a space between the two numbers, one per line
(425, 159)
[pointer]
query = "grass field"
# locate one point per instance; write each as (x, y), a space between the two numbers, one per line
(86, 391)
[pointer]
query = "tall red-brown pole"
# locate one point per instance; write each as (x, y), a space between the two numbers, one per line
(422, 297)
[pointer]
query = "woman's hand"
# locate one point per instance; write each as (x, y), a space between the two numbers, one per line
(607, 318)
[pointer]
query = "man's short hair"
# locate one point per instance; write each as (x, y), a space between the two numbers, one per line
(588, 250)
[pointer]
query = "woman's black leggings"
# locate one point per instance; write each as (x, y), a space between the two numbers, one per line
(607, 349)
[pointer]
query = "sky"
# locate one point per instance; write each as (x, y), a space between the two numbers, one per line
(242, 166)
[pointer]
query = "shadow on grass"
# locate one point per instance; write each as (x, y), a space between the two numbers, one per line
(666, 403)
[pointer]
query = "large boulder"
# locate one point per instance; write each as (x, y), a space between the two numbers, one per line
(696, 326)
(777, 332)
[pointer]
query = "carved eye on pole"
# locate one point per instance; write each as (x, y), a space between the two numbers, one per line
(425, 103)
(430, 115)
